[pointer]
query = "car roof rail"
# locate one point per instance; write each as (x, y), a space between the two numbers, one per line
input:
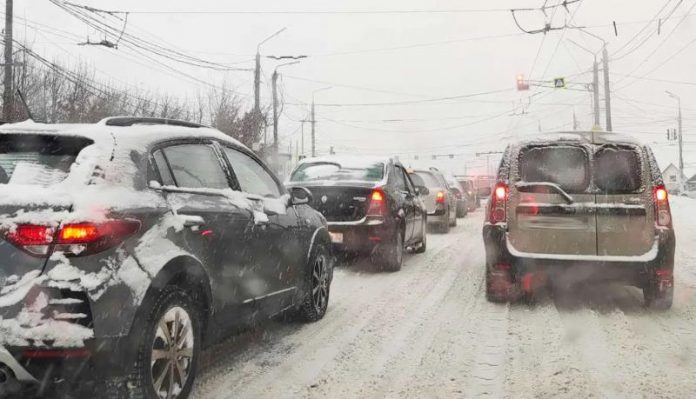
(434, 169)
(125, 121)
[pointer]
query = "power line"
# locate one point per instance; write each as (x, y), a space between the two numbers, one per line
(396, 103)
(316, 12)
(634, 37)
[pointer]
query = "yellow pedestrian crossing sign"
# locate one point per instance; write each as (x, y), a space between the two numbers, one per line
(559, 83)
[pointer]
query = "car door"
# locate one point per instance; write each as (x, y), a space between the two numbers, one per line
(416, 204)
(404, 201)
(541, 219)
(213, 226)
(625, 210)
(276, 247)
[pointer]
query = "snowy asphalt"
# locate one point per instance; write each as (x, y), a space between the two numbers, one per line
(428, 332)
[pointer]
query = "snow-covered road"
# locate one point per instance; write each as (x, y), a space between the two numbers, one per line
(428, 331)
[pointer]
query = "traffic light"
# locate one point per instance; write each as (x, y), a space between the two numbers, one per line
(521, 83)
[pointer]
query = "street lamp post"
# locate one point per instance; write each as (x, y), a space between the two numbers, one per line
(314, 122)
(276, 163)
(681, 148)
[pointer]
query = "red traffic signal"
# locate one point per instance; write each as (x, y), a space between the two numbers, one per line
(521, 83)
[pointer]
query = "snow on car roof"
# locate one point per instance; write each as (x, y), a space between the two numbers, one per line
(138, 136)
(599, 137)
(347, 160)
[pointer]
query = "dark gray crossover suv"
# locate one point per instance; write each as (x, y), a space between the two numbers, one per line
(128, 245)
(579, 208)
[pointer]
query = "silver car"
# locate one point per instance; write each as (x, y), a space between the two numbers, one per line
(440, 203)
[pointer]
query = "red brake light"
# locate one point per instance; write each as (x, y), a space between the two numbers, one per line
(29, 234)
(663, 214)
(440, 197)
(660, 194)
(497, 206)
(378, 206)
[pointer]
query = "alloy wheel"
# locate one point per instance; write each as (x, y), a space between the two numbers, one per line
(172, 353)
(320, 283)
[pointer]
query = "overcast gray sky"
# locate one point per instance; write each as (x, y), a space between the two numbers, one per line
(400, 59)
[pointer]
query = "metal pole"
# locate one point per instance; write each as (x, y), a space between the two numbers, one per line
(8, 94)
(257, 85)
(681, 148)
(595, 91)
(314, 137)
(607, 91)
(275, 121)
(302, 135)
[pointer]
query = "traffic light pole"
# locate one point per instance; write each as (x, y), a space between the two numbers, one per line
(8, 95)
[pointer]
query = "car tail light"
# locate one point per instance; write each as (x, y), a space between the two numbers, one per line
(35, 239)
(498, 203)
(663, 214)
(440, 197)
(72, 238)
(378, 203)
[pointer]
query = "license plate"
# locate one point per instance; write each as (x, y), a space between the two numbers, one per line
(336, 238)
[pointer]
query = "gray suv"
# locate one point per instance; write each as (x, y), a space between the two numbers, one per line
(579, 208)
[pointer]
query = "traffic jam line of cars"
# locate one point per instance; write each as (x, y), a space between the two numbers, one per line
(131, 244)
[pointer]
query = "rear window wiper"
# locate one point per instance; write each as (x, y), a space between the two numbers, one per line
(548, 188)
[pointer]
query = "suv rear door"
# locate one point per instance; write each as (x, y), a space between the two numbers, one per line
(625, 211)
(540, 220)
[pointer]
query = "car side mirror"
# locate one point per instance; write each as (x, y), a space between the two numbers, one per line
(300, 196)
(422, 190)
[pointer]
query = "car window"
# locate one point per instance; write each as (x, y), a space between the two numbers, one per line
(196, 166)
(339, 171)
(399, 179)
(566, 166)
(429, 180)
(617, 169)
(252, 177)
(163, 168)
(37, 159)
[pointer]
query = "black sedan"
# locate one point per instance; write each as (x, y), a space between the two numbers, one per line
(371, 205)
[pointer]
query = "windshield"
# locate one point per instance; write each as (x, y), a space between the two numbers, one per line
(306, 199)
(369, 172)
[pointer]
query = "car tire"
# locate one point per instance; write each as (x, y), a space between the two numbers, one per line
(461, 212)
(444, 227)
(453, 222)
(318, 283)
(654, 299)
(422, 245)
(149, 378)
(392, 254)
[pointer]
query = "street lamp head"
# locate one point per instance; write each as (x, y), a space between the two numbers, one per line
(669, 93)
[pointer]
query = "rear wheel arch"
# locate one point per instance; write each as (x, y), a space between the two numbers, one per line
(186, 273)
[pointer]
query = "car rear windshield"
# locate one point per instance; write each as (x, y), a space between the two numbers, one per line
(429, 179)
(37, 159)
(566, 166)
(617, 169)
(333, 171)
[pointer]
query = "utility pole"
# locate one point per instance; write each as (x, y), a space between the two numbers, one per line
(595, 91)
(314, 134)
(679, 137)
(303, 121)
(8, 95)
(607, 91)
(274, 85)
(314, 122)
(275, 120)
(257, 84)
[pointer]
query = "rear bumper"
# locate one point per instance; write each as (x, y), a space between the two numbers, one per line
(631, 270)
(361, 236)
